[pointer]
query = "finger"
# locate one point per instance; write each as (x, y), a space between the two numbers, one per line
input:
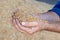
(28, 30)
(23, 28)
(29, 23)
(14, 23)
(20, 28)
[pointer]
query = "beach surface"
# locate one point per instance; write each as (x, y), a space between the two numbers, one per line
(8, 30)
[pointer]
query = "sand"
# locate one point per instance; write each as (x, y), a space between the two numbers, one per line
(9, 32)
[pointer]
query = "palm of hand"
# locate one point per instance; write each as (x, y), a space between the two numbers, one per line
(23, 29)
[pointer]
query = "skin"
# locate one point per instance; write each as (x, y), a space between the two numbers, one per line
(24, 29)
(53, 25)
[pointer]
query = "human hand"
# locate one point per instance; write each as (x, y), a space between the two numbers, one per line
(24, 26)
(37, 26)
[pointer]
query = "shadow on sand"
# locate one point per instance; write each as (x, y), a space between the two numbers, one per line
(48, 1)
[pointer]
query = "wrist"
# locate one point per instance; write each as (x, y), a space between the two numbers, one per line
(46, 27)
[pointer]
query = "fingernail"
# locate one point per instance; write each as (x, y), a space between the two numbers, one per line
(23, 23)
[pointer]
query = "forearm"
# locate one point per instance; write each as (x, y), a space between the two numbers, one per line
(54, 28)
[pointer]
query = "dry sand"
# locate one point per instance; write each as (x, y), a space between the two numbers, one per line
(9, 32)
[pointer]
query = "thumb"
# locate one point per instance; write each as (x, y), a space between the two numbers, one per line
(29, 23)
